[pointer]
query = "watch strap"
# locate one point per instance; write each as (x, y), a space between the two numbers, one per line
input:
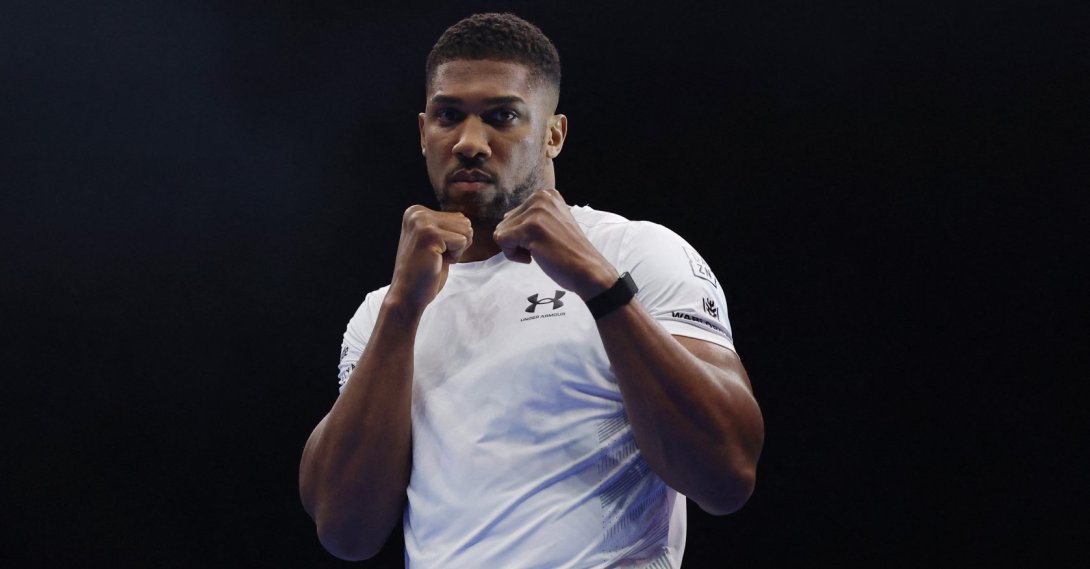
(615, 297)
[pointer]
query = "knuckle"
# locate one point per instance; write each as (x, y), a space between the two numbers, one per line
(541, 207)
(417, 219)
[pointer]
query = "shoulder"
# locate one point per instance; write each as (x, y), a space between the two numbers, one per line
(588, 218)
(358, 332)
(364, 318)
(598, 221)
(676, 285)
(374, 298)
(603, 227)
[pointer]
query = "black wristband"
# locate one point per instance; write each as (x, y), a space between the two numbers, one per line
(617, 296)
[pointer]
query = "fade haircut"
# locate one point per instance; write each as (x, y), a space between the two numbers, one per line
(498, 37)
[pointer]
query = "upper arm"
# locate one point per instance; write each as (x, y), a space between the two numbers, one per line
(307, 486)
(744, 434)
(719, 357)
(676, 286)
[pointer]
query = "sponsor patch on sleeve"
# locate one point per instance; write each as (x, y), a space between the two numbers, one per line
(694, 317)
(710, 308)
(699, 266)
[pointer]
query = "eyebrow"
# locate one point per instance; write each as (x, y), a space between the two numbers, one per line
(449, 100)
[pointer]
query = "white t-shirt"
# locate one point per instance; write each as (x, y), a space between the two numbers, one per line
(522, 453)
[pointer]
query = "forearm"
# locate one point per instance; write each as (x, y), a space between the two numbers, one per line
(697, 424)
(355, 467)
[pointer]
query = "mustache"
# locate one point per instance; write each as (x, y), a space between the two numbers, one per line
(472, 163)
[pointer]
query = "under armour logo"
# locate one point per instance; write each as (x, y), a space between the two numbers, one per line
(555, 300)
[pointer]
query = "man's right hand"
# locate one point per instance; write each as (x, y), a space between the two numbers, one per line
(430, 241)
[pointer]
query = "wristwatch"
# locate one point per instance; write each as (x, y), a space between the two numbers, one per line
(615, 297)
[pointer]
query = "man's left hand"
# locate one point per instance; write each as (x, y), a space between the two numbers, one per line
(544, 229)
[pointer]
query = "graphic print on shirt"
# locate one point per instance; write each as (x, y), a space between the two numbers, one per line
(711, 308)
(555, 300)
(699, 266)
(687, 315)
(632, 497)
(551, 305)
(346, 370)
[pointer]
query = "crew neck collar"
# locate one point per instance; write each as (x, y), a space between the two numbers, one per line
(479, 265)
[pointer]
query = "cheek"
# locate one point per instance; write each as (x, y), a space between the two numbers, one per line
(526, 153)
(436, 149)
(434, 163)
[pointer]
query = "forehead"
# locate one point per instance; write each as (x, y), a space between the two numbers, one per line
(483, 78)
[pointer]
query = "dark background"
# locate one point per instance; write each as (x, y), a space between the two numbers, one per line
(197, 195)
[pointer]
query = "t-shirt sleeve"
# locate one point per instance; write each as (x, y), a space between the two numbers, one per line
(358, 333)
(676, 285)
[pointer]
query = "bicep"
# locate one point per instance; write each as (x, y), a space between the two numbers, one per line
(718, 357)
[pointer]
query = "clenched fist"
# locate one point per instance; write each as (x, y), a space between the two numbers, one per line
(430, 241)
(543, 228)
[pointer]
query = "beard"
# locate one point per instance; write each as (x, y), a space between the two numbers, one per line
(490, 211)
(487, 208)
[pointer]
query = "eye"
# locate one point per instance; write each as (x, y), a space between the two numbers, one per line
(448, 115)
(502, 116)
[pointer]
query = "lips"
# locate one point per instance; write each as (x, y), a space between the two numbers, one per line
(470, 176)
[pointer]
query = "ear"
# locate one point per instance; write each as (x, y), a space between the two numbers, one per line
(557, 132)
(420, 125)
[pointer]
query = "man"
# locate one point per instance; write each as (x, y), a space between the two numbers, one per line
(510, 395)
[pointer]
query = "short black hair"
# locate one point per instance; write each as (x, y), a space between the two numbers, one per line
(499, 37)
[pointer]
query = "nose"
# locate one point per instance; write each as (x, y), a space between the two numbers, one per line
(473, 140)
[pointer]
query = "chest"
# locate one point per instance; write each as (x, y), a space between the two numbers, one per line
(508, 342)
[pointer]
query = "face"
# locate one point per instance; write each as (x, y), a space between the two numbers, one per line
(489, 135)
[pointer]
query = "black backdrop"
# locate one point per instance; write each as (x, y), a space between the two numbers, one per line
(197, 195)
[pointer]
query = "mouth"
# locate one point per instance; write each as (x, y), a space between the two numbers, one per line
(469, 180)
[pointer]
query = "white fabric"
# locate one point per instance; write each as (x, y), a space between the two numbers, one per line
(522, 453)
